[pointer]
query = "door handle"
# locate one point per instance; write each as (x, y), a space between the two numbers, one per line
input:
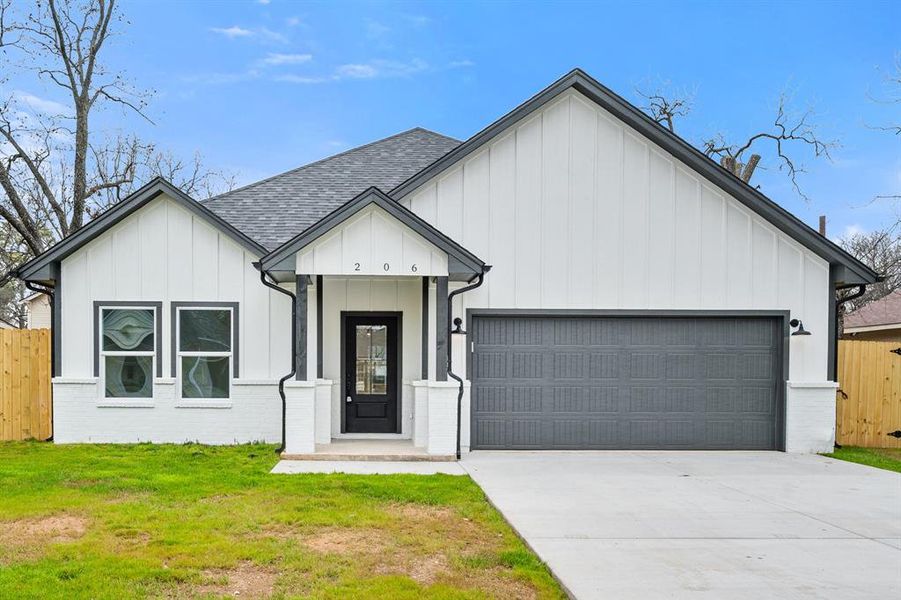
(348, 399)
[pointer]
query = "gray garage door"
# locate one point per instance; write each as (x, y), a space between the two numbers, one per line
(563, 382)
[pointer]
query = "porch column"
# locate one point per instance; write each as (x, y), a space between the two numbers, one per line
(441, 327)
(300, 306)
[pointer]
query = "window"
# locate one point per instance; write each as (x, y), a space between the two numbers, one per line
(205, 340)
(127, 351)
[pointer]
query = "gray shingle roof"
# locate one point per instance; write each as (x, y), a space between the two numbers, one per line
(276, 209)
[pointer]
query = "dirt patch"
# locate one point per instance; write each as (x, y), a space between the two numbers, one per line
(244, 581)
(424, 512)
(348, 541)
(424, 570)
(56, 528)
(497, 584)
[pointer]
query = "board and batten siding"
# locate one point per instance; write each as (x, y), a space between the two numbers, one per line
(372, 242)
(164, 253)
(574, 209)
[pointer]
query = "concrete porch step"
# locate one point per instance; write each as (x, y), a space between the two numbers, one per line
(370, 450)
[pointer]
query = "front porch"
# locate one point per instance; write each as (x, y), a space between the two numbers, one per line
(344, 449)
(372, 336)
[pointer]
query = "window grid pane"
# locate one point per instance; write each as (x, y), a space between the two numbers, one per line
(128, 376)
(205, 376)
(128, 329)
(202, 330)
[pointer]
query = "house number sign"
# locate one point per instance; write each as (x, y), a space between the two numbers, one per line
(387, 267)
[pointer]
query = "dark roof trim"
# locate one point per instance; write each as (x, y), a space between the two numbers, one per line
(35, 268)
(460, 260)
(855, 271)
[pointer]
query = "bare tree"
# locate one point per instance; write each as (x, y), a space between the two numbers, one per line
(788, 135)
(881, 251)
(57, 169)
(666, 104)
(890, 95)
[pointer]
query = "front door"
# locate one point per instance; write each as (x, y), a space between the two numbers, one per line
(370, 374)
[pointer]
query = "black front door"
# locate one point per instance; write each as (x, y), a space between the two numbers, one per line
(370, 374)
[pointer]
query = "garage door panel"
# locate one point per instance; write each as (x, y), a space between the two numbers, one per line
(625, 382)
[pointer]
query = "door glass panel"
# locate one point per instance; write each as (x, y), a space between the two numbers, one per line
(372, 359)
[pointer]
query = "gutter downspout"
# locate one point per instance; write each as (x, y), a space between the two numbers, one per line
(50, 294)
(281, 382)
(450, 346)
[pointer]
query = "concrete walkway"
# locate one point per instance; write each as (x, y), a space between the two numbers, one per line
(711, 525)
(368, 467)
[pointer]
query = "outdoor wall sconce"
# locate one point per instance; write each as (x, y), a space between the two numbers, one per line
(458, 327)
(800, 326)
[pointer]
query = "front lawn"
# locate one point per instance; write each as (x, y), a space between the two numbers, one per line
(881, 458)
(162, 521)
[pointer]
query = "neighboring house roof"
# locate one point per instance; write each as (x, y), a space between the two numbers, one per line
(31, 297)
(885, 311)
(274, 210)
(855, 271)
(461, 264)
(39, 268)
(4, 324)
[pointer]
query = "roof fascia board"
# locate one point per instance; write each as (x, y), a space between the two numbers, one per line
(867, 328)
(670, 142)
(277, 257)
(36, 268)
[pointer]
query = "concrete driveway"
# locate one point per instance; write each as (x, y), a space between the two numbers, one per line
(712, 525)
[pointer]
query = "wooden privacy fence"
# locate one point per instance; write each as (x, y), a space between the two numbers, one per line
(25, 384)
(868, 406)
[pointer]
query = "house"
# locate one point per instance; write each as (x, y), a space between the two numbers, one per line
(4, 324)
(37, 309)
(574, 275)
(877, 321)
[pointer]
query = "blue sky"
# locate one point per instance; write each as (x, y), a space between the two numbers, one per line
(262, 87)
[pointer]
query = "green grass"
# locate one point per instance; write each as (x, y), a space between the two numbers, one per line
(163, 521)
(881, 458)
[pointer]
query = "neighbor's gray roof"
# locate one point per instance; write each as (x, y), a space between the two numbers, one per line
(274, 210)
(885, 311)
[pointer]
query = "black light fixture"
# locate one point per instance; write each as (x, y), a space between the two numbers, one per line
(458, 327)
(800, 326)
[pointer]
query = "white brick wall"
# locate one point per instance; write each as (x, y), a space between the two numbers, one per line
(439, 400)
(810, 417)
(252, 414)
(300, 417)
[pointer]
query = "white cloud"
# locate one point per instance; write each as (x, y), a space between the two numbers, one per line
(357, 71)
(852, 230)
(376, 30)
(272, 36)
(380, 69)
(232, 32)
(302, 79)
(461, 64)
(292, 21)
(374, 69)
(275, 59)
(41, 105)
(264, 2)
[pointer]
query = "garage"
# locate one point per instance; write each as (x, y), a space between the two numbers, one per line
(679, 381)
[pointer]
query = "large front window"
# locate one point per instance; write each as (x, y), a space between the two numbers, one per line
(205, 351)
(127, 351)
